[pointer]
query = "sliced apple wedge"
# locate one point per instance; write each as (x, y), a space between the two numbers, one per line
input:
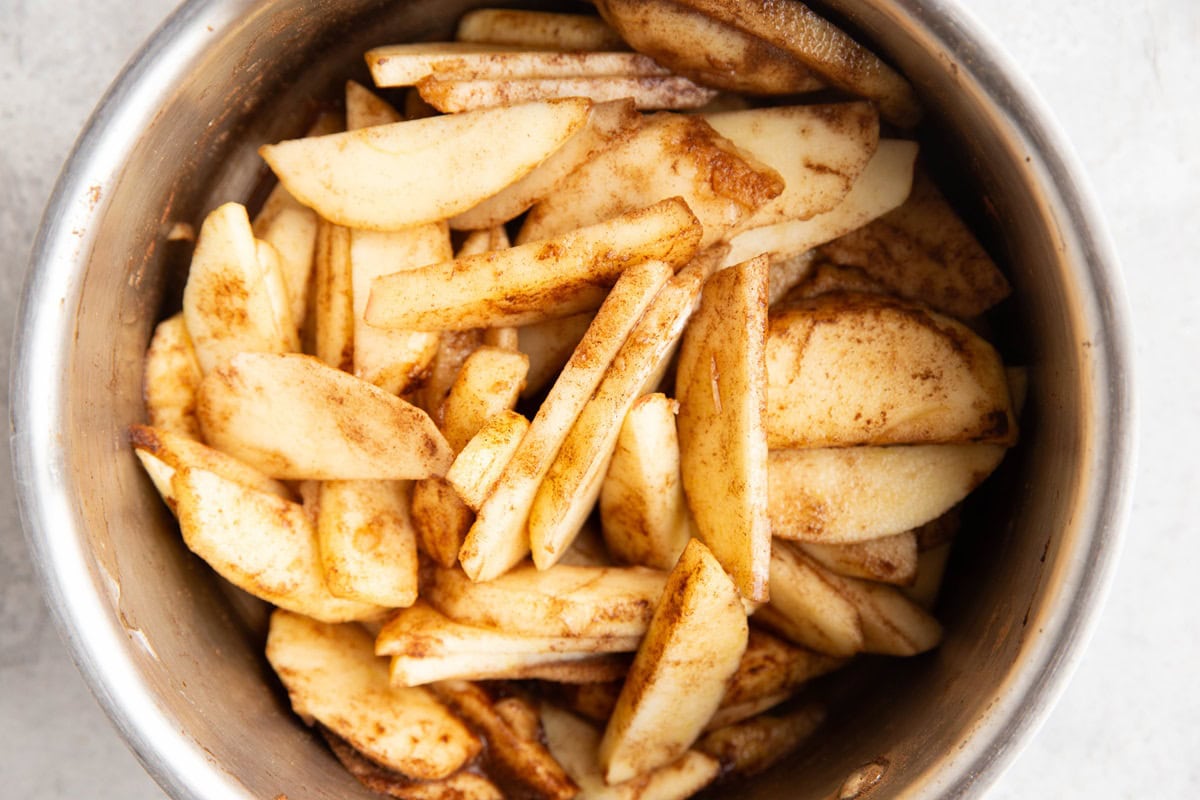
(647, 92)
(333, 297)
(454, 348)
(234, 300)
(839, 495)
(786, 274)
(537, 29)
(559, 276)
(887, 559)
(489, 382)
(393, 360)
(770, 671)
(749, 747)
(291, 228)
(514, 748)
(574, 742)
(549, 345)
(367, 542)
(332, 675)
(572, 484)
(720, 385)
(826, 363)
(692, 648)
(429, 646)
(709, 52)
(818, 150)
(608, 124)
(808, 605)
(293, 417)
(176, 451)
(478, 466)
(408, 64)
(461, 785)
(171, 377)
(670, 155)
(643, 512)
(441, 519)
(923, 251)
(259, 542)
(931, 567)
(567, 668)
(365, 109)
(422, 630)
(497, 541)
(882, 186)
(822, 47)
(893, 624)
(394, 176)
(561, 601)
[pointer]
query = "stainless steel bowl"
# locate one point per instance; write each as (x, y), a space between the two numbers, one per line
(175, 658)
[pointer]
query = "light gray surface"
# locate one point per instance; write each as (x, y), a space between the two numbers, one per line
(1121, 76)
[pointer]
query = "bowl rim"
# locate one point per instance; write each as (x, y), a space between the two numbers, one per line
(78, 600)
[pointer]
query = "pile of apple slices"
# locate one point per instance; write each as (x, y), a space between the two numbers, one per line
(576, 513)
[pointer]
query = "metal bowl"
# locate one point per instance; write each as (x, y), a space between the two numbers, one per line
(175, 658)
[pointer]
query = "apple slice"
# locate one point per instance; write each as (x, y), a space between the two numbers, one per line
(720, 384)
(692, 648)
(441, 519)
(429, 646)
(561, 601)
(549, 345)
(176, 451)
(422, 630)
(771, 670)
(554, 667)
(171, 377)
(709, 52)
(573, 742)
(882, 186)
(367, 542)
(887, 559)
(293, 417)
(538, 280)
(786, 274)
(291, 228)
(750, 747)
(923, 251)
(460, 786)
(822, 47)
(840, 495)
(608, 124)
(260, 543)
(489, 383)
(333, 297)
(647, 92)
(671, 154)
(365, 109)
(235, 300)
(643, 511)
(478, 466)
(497, 540)
(572, 484)
(332, 675)
(931, 567)
(409, 64)
(394, 360)
(394, 176)
(537, 29)
(857, 369)
(818, 150)
(892, 624)
(514, 747)
(809, 605)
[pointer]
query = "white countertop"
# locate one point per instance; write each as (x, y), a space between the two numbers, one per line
(1123, 77)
